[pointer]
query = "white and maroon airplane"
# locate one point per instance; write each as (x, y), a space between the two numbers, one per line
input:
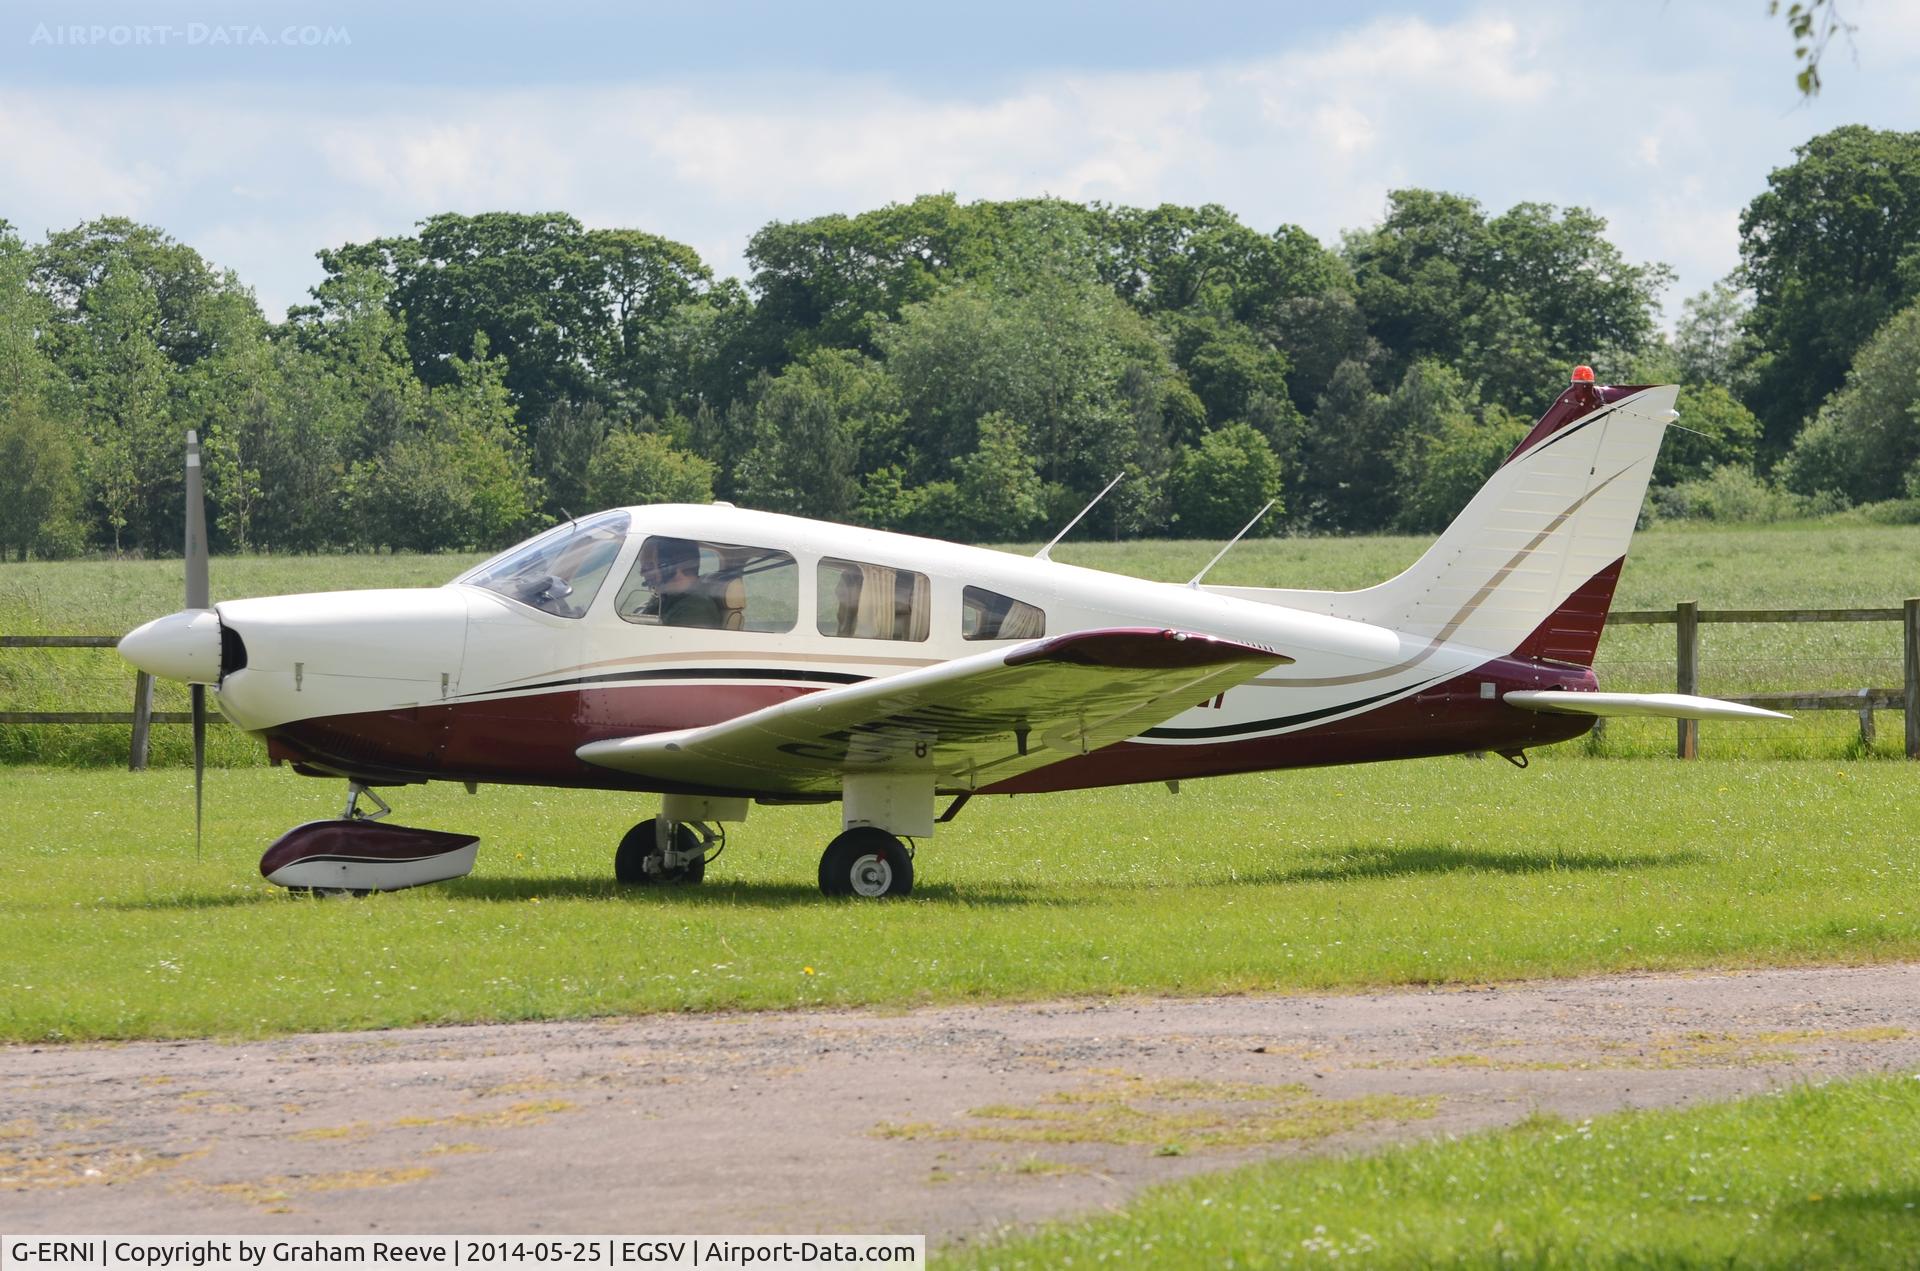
(719, 656)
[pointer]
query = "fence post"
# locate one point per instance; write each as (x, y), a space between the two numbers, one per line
(1686, 626)
(142, 721)
(1910, 622)
(1867, 733)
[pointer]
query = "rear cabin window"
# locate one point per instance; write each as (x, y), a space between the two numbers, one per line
(682, 582)
(873, 602)
(988, 615)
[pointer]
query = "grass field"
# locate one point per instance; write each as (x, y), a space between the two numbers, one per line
(1803, 566)
(1451, 870)
(1810, 1176)
(1447, 870)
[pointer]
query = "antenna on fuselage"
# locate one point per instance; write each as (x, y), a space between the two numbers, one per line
(1043, 553)
(1195, 580)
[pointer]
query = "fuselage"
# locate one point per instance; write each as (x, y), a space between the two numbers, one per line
(502, 674)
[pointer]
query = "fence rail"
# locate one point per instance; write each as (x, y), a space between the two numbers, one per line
(1685, 617)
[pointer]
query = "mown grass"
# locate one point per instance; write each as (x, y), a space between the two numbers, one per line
(1448, 870)
(1808, 1176)
(1800, 566)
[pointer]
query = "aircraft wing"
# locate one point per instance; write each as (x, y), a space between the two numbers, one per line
(971, 721)
(1661, 705)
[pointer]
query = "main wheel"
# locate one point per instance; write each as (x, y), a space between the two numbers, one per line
(866, 862)
(630, 861)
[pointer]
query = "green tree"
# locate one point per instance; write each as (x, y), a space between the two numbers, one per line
(1831, 250)
(563, 449)
(1454, 465)
(1346, 479)
(1714, 430)
(1219, 484)
(643, 467)
(998, 485)
(1429, 415)
(1088, 377)
(570, 309)
(125, 384)
(1501, 299)
(25, 372)
(1866, 438)
(1236, 375)
(817, 426)
(1708, 341)
(302, 447)
(152, 340)
(461, 479)
(39, 492)
(835, 280)
(195, 309)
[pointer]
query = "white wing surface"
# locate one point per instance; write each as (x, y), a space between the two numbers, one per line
(970, 722)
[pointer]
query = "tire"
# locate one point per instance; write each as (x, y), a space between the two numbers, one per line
(866, 862)
(630, 860)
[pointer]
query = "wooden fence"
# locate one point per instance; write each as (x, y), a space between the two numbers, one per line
(1686, 618)
(142, 716)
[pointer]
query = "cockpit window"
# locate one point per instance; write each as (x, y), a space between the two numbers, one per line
(558, 572)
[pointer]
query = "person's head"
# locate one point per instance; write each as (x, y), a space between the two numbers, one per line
(669, 564)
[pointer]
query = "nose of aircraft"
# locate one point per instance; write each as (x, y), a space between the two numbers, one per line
(181, 646)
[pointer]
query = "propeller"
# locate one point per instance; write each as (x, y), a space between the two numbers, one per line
(198, 597)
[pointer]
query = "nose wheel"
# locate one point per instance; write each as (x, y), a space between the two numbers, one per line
(866, 861)
(662, 851)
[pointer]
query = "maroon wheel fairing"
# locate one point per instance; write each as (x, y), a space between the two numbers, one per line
(360, 855)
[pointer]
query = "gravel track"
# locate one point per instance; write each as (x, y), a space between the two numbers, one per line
(776, 1122)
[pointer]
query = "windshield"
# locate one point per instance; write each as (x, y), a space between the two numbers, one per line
(559, 571)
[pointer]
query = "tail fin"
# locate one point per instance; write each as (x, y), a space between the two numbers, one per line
(1530, 564)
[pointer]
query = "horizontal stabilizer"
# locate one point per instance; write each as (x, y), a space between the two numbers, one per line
(1661, 705)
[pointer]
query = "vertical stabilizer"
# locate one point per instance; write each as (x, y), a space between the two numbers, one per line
(1531, 562)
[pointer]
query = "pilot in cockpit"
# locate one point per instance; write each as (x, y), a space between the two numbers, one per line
(670, 567)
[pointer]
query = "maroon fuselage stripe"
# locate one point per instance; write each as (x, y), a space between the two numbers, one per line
(531, 740)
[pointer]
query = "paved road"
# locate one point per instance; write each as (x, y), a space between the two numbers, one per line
(862, 1121)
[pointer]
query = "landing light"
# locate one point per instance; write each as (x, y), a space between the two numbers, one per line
(1583, 375)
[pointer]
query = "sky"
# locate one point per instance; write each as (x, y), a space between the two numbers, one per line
(262, 132)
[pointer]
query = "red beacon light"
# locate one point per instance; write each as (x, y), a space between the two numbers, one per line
(1583, 375)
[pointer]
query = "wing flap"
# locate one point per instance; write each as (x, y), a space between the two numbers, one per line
(1661, 705)
(970, 721)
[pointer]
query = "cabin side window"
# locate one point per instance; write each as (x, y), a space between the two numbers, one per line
(683, 582)
(873, 602)
(988, 615)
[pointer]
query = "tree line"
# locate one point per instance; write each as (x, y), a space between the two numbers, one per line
(967, 370)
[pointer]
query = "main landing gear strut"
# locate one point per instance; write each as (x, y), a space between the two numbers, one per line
(882, 813)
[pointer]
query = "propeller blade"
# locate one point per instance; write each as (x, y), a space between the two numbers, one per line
(199, 759)
(198, 594)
